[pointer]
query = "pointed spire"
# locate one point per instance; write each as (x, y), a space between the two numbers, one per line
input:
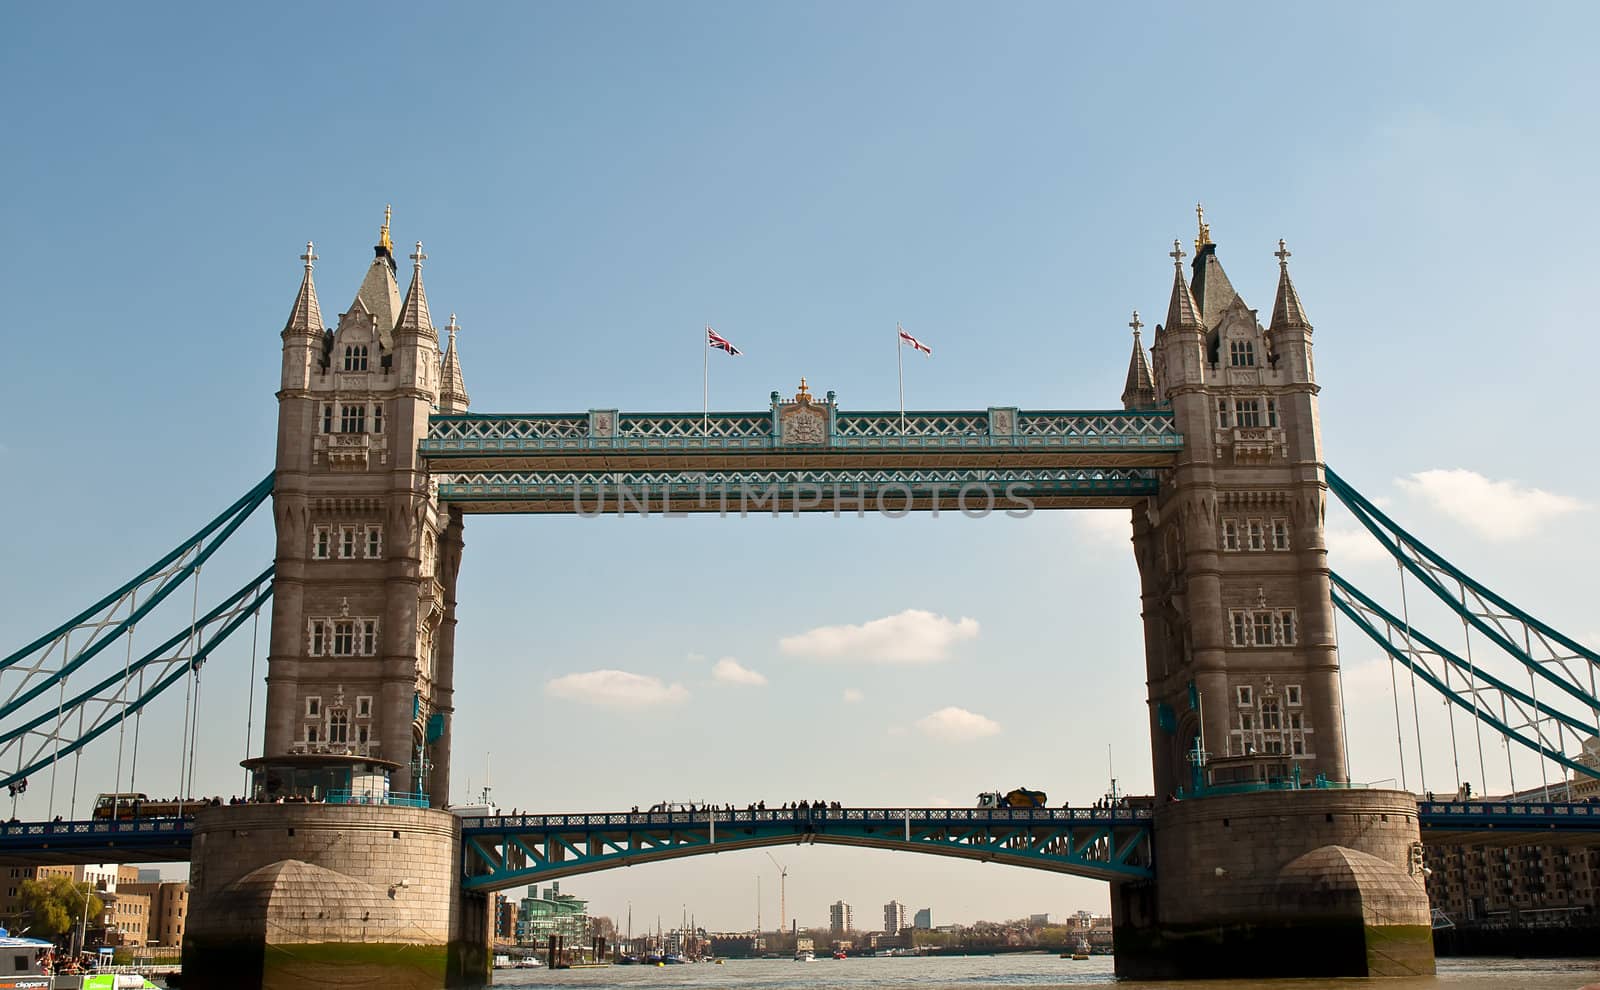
(306, 316)
(452, 390)
(414, 314)
(1140, 390)
(1286, 309)
(1182, 312)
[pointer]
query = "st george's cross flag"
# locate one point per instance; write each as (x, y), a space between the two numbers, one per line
(721, 343)
(906, 338)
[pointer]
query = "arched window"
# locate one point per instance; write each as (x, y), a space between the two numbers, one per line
(338, 726)
(1271, 721)
(355, 357)
(1241, 353)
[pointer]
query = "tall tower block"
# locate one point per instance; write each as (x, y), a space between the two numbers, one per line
(1267, 864)
(344, 870)
(360, 671)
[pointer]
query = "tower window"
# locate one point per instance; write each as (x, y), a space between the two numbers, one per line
(1246, 696)
(321, 543)
(1299, 748)
(369, 637)
(1286, 627)
(339, 726)
(1230, 534)
(377, 417)
(363, 706)
(1270, 719)
(1222, 414)
(1241, 628)
(1272, 413)
(313, 707)
(355, 357)
(344, 638)
(311, 734)
(1257, 541)
(347, 542)
(352, 419)
(1263, 628)
(1291, 694)
(1248, 412)
(327, 417)
(374, 541)
(1280, 534)
(1242, 354)
(319, 637)
(363, 734)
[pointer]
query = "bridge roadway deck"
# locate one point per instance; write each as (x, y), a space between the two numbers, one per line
(664, 835)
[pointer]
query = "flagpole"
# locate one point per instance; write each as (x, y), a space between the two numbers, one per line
(705, 384)
(900, 364)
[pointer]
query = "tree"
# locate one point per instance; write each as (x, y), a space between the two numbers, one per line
(54, 905)
(601, 926)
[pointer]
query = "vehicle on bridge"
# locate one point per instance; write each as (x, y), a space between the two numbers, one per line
(131, 804)
(1021, 797)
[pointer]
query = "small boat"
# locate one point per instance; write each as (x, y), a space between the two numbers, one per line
(839, 954)
(804, 955)
(528, 962)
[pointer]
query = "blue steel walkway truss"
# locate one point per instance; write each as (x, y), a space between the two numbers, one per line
(510, 850)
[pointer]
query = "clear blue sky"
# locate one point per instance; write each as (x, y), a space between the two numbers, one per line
(594, 183)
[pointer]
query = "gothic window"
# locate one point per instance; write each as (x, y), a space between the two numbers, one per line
(1257, 541)
(1263, 628)
(1230, 534)
(344, 638)
(1241, 629)
(377, 417)
(1222, 414)
(1245, 695)
(311, 734)
(1247, 722)
(1242, 354)
(374, 541)
(319, 637)
(1271, 720)
(327, 417)
(1291, 694)
(1272, 413)
(363, 706)
(1274, 746)
(313, 707)
(321, 543)
(352, 418)
(1280, 534)
(1299, 748)
(369, 637)
(1247, 412)
(355, 357)
(347, 542)
(1296, 721)
(1286, 627)
(363, 734)
(338, 726)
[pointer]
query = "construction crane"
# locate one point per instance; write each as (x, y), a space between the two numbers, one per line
(783, 884)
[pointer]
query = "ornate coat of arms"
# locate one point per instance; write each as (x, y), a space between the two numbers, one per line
(803, 421)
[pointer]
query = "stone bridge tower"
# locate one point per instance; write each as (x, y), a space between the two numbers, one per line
(360, 671)
(1266, 863)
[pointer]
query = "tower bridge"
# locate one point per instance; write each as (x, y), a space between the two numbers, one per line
(1256, 856)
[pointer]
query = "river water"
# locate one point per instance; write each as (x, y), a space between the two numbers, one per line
(1034, 971)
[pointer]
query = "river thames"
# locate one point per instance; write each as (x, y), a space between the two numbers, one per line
(1035, 971)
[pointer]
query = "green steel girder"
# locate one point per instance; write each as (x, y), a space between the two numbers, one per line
(511, 850)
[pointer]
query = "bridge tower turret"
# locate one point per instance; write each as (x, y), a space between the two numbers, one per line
(1265, 864)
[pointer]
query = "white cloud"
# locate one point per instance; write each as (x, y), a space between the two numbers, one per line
(615, 689)
(1352, 544)
(1103, 527)
(913, 636)
(957, 725)
(730, 671)
(1497, 510)
(852, 696)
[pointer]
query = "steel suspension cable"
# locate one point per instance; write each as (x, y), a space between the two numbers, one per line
(122, 722)
(1416, 718)
(1399, 736)
(56, 756)
(188, 693)
(250, 705)
(1472, 685)
(1538, 731)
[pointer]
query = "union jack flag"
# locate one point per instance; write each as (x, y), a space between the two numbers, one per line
(721, 343)
(906, 338)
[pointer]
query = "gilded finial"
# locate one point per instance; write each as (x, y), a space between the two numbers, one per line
(1282, 254)
(804, 394)
(311, 255)
(383, 233)
(1135, 324)
(1176, 254)
(1204, 236)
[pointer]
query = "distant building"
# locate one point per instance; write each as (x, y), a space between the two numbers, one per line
(149, 876)
(168, 911)
(1039, 920)
(558, 914)
(505, 918)
(124, 919)
(839, 920)
(894, 917)
(923, 919)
